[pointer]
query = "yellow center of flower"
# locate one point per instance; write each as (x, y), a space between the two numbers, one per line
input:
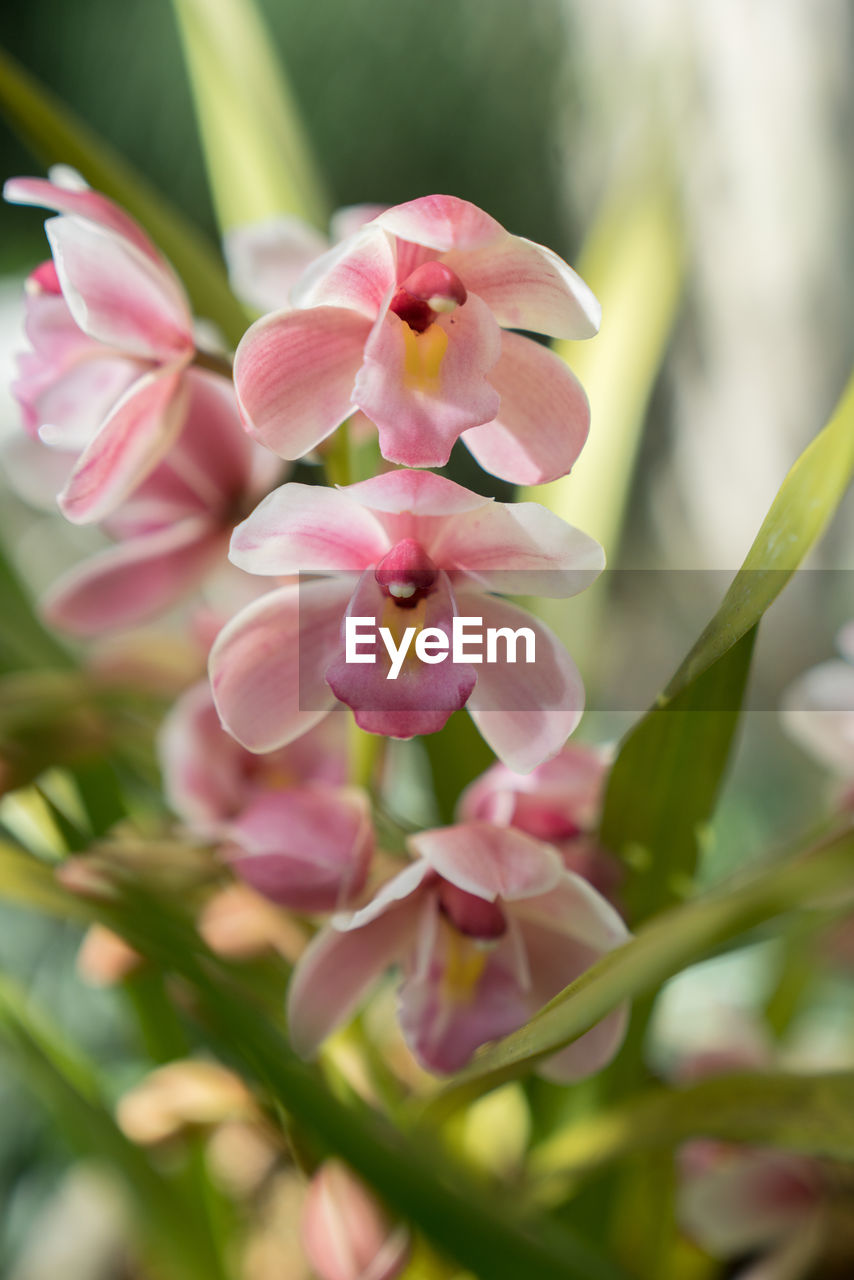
(423, 357)
(465, 960)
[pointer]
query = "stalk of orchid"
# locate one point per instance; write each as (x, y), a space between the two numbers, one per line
(385, 1021)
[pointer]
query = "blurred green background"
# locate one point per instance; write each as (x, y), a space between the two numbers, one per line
(561, 118)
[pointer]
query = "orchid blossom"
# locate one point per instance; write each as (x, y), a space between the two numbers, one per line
(112, 337)
(346, 1234)
(286, 822)
(407, 320)
(410, 550)
(487, 925)
(173, 530)
(560, 801)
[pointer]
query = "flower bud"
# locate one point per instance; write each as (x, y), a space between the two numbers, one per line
(345, 1232)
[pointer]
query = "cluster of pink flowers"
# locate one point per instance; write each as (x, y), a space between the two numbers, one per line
(404, 327)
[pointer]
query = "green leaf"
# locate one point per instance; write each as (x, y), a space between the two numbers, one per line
(799, 514)
(174, 1227)
(663, 947)
(665, 781)
(258, 158)
(486, 1236)
(56, 135)
(28, 882)
(810, 1114)
(24, 642)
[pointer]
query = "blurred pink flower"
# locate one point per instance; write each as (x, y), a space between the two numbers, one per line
(346, 1233)
(266, 259)
(405, 321)
(408, 549)
(112, 337)
(174, 527)
(818, 710)
(486, 926)
(559, 801)
(287, 824)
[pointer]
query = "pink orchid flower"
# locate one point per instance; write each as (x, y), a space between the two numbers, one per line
(346, 1234)
(287, 824)
(736, 1200)
(112, 338)
(486, 926)
(409, 550)
(406, 321)
(174, 528)
(560, 801)
(742, 1201)
(266, 259)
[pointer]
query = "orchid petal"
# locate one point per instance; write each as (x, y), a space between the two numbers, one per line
(336, 971)
(265, 259)
(294, 373)
(203, 767)
(268, 664)
(308, 528)
(527, 286)
(490, 862)
(418, 493)
(524, 711)
(135, 581)
(306, 848)
(520, 549)
(357, 274)
(442, 223)
(118, 295)
(542, 420)
(73, 406)
(140, 430)
(82, 203)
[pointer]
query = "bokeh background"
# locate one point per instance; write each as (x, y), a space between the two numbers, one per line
(696, 158)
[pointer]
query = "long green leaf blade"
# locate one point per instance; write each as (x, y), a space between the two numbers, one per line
(258, 158)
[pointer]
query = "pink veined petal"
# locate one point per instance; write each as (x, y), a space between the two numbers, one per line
(358, 273)
(135, 581)
(337, 970)
(442, 223)
(202, 765)
(267, 665)
(524, 711)
(490, 862)
(424, 389)
(51, 328)
(555, 959)
(419, 493)
(423, 696)
(83, 203)
(542, 420)
(118, 295)
(294, 373)
(527, 286)
(519, 549)
(213, 454)
(394, 891)
(308, 528)
(448, 1009)
(574, 908)
(265, 259)
(133, 439)
(306, 848)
